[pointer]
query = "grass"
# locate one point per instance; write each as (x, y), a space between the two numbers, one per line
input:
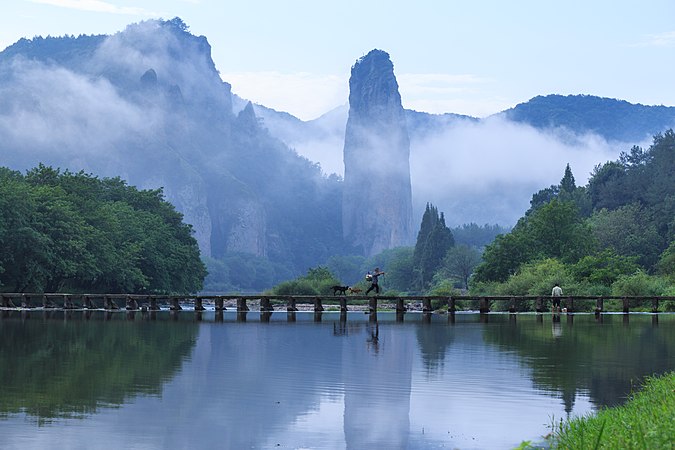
(645, 421)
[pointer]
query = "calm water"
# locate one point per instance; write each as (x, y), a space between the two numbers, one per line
(96, 380)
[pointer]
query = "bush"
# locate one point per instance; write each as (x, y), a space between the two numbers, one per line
(639, 284)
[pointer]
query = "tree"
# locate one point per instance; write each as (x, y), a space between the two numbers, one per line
(459, 263)
(433, 241)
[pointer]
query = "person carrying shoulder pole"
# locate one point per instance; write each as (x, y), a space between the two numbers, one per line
(373, 281)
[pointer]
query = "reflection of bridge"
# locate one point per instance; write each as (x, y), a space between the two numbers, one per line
(268, 303)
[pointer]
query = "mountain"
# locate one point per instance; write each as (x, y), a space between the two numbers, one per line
(147, 105)
(614, 120)
(377, 196)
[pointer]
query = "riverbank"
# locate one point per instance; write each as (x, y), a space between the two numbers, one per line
(645, 421)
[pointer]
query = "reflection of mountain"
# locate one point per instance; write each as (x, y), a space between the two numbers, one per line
(69, 368)
(578, 359)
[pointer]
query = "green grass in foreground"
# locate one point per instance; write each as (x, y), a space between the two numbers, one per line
(646, 421)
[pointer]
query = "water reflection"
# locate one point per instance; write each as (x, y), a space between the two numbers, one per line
(306, 380)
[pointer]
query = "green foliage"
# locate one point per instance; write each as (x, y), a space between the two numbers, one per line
(646, 421)
(537, 278)
(459, 263)
(639, 284)
(317, 281)
(603, 268)
(433, 241)
(477, 236)
(628, 230)
(65, 231)
(666, 264)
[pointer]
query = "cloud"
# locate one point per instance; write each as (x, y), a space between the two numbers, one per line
(305, 95)
(486, 172)
(97, 6)
(666, 39)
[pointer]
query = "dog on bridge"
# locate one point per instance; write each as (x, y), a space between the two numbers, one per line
(354, 290)
(342, 290)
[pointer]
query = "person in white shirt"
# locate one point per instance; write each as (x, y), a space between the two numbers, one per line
(556, 294)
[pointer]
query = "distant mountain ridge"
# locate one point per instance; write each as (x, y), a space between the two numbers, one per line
(614, 120)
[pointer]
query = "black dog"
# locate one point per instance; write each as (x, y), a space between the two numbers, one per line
(340, 289)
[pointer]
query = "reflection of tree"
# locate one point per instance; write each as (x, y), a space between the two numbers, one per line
(584, 356)
(433, 344)
(68, 368)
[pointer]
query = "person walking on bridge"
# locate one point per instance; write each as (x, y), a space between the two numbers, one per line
(374, 285)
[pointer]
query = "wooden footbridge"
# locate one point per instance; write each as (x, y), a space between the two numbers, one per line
(268, 303)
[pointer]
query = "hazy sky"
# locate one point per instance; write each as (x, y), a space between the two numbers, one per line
(473, 57)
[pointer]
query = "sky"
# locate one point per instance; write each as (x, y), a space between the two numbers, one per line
(475, 57)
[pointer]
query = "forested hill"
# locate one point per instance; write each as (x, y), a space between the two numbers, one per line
(615, 120)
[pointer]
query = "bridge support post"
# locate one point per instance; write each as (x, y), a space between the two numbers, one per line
(426, 305)
(451, 305)
(343, 304)
(25, 301)
(626, 304)
(372, 304)
(219, 304)
(47, 303)
(87, 303)
(132, 304)
(539, 305)
(199, 305)
(68, 302)
(512, 306)
(153, 304)
(400, 307)
(655, 305)
(109, 303)
(241, 305)
(570, 304)
(266, 305)
(291, 307)
(175, 306)
(484, 305)
(318, 307)
(599, 305)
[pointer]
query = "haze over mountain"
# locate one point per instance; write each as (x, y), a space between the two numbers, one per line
(148, 105)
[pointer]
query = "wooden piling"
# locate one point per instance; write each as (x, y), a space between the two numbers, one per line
(199, 306)
(86, 300)
(484, 305)
(175, 305)
(219, 304)
(131, 304)
(25, 301)
(451, 305)
(372, 304)
(512, 306)
(599, 305)
(626, 305)
(291, 307)
(241, 305)
(343, 304)
(655, 305)
(266, 305)
(426, 305)
(400, 306)
(153, 304)
(539, 305)
(318, 307)
(570, 304)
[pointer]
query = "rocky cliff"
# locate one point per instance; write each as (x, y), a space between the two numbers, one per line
(377, 196)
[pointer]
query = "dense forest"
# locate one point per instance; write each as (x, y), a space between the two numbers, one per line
(74, 232)
(614, 236)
